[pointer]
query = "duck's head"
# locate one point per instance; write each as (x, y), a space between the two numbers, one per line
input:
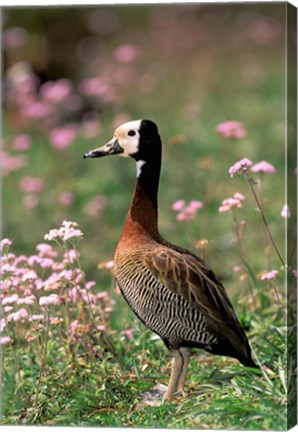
(138, 139)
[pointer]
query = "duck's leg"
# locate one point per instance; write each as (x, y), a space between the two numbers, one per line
(185, 352)
(177, 368)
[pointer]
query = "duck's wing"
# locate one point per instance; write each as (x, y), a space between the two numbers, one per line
(190, 277)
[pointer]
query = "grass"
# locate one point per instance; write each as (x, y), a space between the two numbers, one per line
(220, 392)
(187, 85)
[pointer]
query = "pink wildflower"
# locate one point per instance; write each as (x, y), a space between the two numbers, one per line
(46, 262)
(240, 167)
(102, 295)
(5, 340)
(21, 259)
(27, 300)
(11, 163)
(12, 299)
(237, 269)
(178, 205)
(90, 284)
(90, 128)
(95, 206)
(66, 198)
(71, 255)
(22, 142)
(181, 217)
(264, 167)
(33, 259)
(20, 315)
(46, 250)
(62, 137)
(98, 87)
(187, 213)
(52, 299)
(56, 91)
(30, 184)
(36, 110)
(5, 242)
(231, 129)
(126, 53)
(128, 333)
(29, 275)
(239, 196)
(229, 204)
(270, 275)
(196, 204)
(285, 212)
(7, 268)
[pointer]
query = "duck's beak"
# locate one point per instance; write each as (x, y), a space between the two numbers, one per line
(112, 147)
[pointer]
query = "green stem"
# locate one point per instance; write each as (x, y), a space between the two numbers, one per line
(265, 222)
(266, 239)
(240, 249)
(279, 301)
(43, 359)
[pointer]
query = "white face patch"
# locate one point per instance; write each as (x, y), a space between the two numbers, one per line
(128, 136)
(140, 164)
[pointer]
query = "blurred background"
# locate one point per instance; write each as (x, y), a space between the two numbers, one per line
(73, 74)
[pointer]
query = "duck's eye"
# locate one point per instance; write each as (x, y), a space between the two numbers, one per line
(131, 133)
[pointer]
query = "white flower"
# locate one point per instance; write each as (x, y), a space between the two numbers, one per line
(285, 213)
(12, 299)
(53, 299)
(29, 275)
(68, 231)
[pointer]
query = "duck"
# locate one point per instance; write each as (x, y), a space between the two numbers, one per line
(170, 289)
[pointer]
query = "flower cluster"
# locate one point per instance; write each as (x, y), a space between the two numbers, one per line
(240, 166)
(10, 163)
(48, 287)
(269, 275)
(187, 212)
(229, 204)
(263, 167)
(67, 232)
(231, 129)
(62, 137)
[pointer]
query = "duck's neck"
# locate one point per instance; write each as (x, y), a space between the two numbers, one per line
(143, 213)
